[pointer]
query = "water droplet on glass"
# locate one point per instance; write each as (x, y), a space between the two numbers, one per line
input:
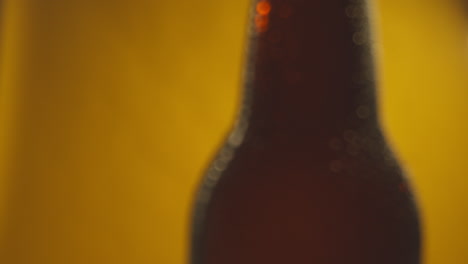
(262, 20)
(236, 138)
(363, 111)
(220, 165)
(352, 149)
(263, 8)
(226, 155)
(352, 11)
(349, 135)
(261, 23)
(336, 166)
(359, 38)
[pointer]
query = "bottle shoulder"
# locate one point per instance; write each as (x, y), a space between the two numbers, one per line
(351, 160)
(337, 151)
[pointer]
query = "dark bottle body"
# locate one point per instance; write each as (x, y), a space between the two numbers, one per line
(306, 175)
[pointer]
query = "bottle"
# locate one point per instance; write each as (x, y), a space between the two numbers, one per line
(306, 175)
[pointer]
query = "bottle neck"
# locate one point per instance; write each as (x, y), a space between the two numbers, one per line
(310, 70)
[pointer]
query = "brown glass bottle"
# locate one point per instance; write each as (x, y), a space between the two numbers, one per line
(306, 175)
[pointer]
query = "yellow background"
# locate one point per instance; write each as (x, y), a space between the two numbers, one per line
(110, 110)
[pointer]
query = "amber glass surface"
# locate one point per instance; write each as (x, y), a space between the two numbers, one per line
(306, 175)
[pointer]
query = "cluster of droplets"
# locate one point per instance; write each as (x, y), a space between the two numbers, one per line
(262, 18)
(353, 146)
(359, 18)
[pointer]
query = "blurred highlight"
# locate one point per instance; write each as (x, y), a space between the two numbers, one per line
(263, 9)
(110, 112)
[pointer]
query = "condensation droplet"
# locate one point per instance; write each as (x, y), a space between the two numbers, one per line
(336, 166)
(261, 23)
(220, 165)
(352, 149)
(211, 178)
(363, 112)
(203, 197)
(359, 38)
(366, 141)
(263, 8)
(352, 11)
(226, 155)
(349, 135)
(236, 138)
